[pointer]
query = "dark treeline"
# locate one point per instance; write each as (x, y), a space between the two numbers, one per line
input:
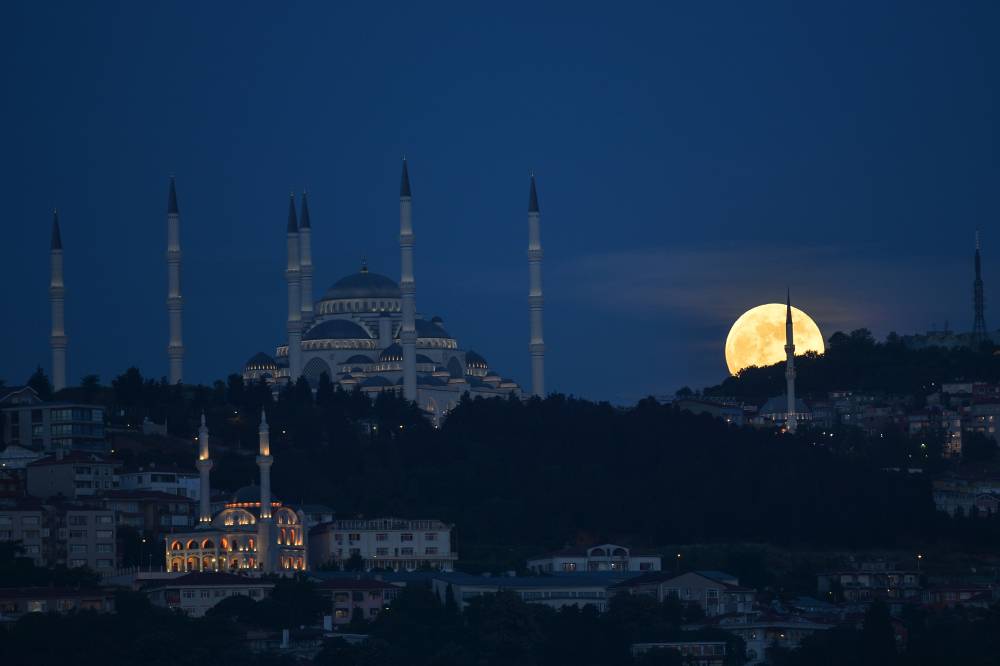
(520, 476)
(855, 361)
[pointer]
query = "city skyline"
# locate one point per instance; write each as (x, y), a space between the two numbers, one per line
(652, 176)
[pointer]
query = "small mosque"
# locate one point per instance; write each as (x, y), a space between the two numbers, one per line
(253, 533)
(364, 332)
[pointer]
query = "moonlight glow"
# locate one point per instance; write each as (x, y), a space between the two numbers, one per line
(758, 337)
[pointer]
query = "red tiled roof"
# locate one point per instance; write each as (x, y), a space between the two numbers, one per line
(355, 584)
(211, 579)
(74, 457)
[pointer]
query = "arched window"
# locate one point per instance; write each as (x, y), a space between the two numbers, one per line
(250, 543)
(302, 564)
(235, 564)
(207, 563)
(192, 564)
(224, 543)
(207, 543)
(281, 536)
(234, 544)
(176, 564)
(176, 545)
(192, 545)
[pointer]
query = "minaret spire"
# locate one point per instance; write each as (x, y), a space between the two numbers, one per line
(979, 333)
(264, 462)
(792, 417)
(175, 302)
(536, 344)
(204, 467)
(407, 287)
(306, 264)
(292, 277)
(57, 298)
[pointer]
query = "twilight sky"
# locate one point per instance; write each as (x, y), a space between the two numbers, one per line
(692, 159)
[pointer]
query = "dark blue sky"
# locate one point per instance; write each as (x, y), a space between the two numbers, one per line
(691, 162)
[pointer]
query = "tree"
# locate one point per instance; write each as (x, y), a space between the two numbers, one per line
(978, 447)
(39, 381)
(878, 641)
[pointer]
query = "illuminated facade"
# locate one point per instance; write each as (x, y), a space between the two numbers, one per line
(252, 533)
(365, 333)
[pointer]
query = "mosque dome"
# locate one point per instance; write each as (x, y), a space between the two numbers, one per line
(247, 495)
(337, 329)
(363, 284)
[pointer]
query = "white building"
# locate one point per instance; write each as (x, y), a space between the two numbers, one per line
(605, 557)
(552, 591)
(163, 479)
(195, 593)
(383, 543)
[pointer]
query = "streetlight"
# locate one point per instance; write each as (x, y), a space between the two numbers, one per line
(920, 557)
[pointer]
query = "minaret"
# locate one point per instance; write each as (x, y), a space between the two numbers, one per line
(306, 264)
(979, 321)
(57, 297)
(407, 287)
(175, 304)
(264, 462)
(204, 467)
(790, 365)
(292, 275)
(535, 299)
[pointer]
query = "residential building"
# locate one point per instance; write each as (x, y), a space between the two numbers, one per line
(761, 632)
(605, 557)
(195, 593)
(17, 458)
(18, 601)
(967, 495)
(72, 476)
(31, 422)
(715, 592)
(697, 653)
(357, 597)
(950, 596)
(70, 534)
(152, 512)
(383, 543)
(162, 479)
(870, 581)
(552, 591)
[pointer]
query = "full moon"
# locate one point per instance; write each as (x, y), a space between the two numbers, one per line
(758, 337)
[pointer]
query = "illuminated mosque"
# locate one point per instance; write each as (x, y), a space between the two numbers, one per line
(252, 533)
(364, 332)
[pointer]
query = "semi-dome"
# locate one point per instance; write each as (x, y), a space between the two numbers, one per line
(358, 358)
(430, 329)
(337, 329)
(363, 284)
(424, 358)
(392, 354)
(474, 360)
(261, 361)
(377, 380)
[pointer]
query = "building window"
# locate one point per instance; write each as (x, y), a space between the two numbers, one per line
(77, 520)
(104, 534)
(78, 548)
(569, 566)
(104, 564)
(106, 519)
(382, 552)
(78, 563)
(381, 537)
(354, 537)
(29, 520)
(430, 551)
(105, 548)
(406, 537)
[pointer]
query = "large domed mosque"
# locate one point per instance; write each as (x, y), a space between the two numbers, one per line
(364, 332)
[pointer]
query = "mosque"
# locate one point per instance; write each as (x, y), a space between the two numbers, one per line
(252, 533)
(364, 332)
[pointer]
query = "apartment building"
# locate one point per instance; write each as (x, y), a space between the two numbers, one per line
(31, 422)
(70, 534)
(168, 479)
(72, 476)
(383, 543)
(197, 592)
(357, 597)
